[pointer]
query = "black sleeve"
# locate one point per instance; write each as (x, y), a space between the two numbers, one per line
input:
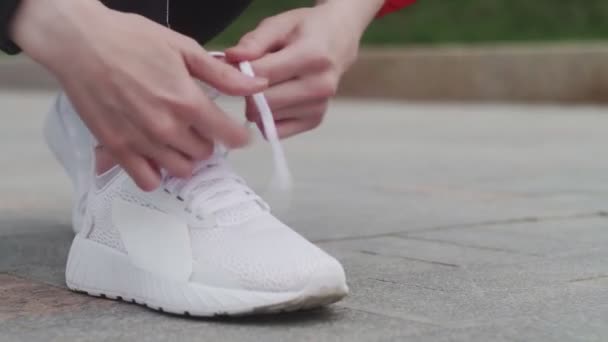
(7, 11)
(198, 19)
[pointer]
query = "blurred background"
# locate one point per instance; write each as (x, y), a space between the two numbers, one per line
(464, 21)
(542, 51)
(522, 51)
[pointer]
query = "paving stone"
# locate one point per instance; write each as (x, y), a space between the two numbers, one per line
(589, 324)
(110, 322)
(435, 253)
(462, 302)
(545, 238)
(37, 256)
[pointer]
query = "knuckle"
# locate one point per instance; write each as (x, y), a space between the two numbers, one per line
(267, 22)
(319, 58)
(328, 86)
(163, 128)
(185, 103)
(118, 144)
(249, 38)
(203, 153)
(190, 43)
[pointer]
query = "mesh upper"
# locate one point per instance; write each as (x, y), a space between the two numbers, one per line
(262, 255)
(103, 230)
(249, 250)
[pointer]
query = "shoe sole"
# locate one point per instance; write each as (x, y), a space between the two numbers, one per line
(101, 271)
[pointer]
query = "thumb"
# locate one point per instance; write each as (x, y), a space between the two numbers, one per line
(269, 36)
(224, 77)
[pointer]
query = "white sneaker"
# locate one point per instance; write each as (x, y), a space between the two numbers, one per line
(202, 247)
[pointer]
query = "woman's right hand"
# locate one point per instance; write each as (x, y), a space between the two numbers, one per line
(133, 83)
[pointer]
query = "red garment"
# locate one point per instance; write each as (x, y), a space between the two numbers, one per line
(394, 5)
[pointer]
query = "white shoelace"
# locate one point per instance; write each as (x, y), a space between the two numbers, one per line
(214, 186)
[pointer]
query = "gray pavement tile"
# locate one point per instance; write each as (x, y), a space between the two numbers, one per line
(18, 222)
(545, 238)
(591, 232)
(550, 271)
(588, 325)
(472, 306)
(476, 293)
(432, 252)
(36, 256)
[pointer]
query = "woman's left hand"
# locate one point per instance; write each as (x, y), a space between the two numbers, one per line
(304, 53)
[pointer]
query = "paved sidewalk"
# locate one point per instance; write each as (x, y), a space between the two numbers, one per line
(455, 223)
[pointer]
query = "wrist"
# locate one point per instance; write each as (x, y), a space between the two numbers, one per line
(42, 28)
(358, 13)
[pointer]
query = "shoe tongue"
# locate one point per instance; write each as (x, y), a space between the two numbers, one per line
(234, 214)
(238, 213)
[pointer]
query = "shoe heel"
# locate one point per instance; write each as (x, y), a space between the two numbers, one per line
(57, 139)
(72, 147)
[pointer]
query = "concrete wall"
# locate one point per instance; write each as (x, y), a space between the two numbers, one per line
(576, 73)
(530, 73)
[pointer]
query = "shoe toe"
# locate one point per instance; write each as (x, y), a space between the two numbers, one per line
(263, 256)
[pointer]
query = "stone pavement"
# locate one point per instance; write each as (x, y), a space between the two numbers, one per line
(454, 222)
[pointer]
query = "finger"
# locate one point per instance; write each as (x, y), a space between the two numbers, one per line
(251, 110)
(174, 162)
(220, 75)
(270, 35)
(193, 145)
(295, 112)
(300, 92)
(140, 170)
(290, 127)
(286, 64)
(212, 123)
(296, 60)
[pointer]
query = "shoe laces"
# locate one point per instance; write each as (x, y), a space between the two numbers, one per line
(214, 186)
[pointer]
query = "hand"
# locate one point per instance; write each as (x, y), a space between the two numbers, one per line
(133, 83)
(304, 53)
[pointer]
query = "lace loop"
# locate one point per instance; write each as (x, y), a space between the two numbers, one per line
(214, 186)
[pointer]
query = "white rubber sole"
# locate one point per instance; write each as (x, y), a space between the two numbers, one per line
(101, 271)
